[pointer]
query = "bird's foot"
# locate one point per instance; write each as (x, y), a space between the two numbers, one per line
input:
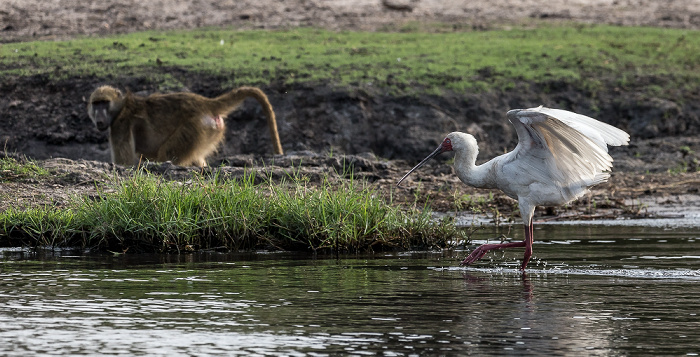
(480, 251)
(475, 255)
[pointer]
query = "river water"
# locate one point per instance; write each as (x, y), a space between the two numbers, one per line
(589, 290)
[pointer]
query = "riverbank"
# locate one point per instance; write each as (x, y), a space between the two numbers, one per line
(367, 84)
(56, 183)
(158, 209)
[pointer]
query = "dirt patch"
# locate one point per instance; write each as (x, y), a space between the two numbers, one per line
(40, 19)
(318, 124)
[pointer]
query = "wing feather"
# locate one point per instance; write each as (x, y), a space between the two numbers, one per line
(599, 132)
(574, 145)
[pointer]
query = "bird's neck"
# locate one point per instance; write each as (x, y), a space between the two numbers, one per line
(474, 175)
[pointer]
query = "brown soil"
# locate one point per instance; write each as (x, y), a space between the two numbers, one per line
(41, 19)
(42, 119)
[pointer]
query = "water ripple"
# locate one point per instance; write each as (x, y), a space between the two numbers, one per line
(685, 274)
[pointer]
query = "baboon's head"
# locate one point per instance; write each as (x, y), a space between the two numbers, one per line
(104, 105)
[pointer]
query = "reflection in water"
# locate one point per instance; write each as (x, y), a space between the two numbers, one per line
(544, 325)
(527, 287)
(592, 293)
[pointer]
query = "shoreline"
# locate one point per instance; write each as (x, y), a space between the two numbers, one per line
(627, 193)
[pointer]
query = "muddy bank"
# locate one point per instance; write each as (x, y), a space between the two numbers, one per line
(383, 137)
(45, 119)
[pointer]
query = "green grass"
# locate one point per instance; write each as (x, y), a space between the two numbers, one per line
(13, 169)
(148, 213)
(403, 62)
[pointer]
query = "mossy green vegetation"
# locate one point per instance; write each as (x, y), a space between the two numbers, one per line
(397, 62)
(148, 213)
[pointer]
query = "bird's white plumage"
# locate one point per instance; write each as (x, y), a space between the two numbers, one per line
(559, 155)
(595, 130)
(557, 151)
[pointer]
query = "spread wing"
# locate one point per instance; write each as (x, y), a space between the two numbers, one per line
(595, 130)
(573, 146)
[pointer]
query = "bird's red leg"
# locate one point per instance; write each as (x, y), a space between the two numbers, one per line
(479, 252)
(529, 232)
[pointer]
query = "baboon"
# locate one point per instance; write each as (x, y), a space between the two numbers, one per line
(183, 128)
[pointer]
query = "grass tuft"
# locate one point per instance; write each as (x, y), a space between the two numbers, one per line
(12, 169)
(149, 213)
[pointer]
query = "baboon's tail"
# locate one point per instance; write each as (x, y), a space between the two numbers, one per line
(233, 98)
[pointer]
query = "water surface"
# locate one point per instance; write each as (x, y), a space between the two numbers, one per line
(590, 290)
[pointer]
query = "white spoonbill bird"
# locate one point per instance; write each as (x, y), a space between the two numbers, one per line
(560, 154)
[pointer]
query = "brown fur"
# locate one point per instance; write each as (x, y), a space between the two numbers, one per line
(183, 128)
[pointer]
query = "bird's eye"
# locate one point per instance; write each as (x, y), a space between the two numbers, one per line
(447, 141)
